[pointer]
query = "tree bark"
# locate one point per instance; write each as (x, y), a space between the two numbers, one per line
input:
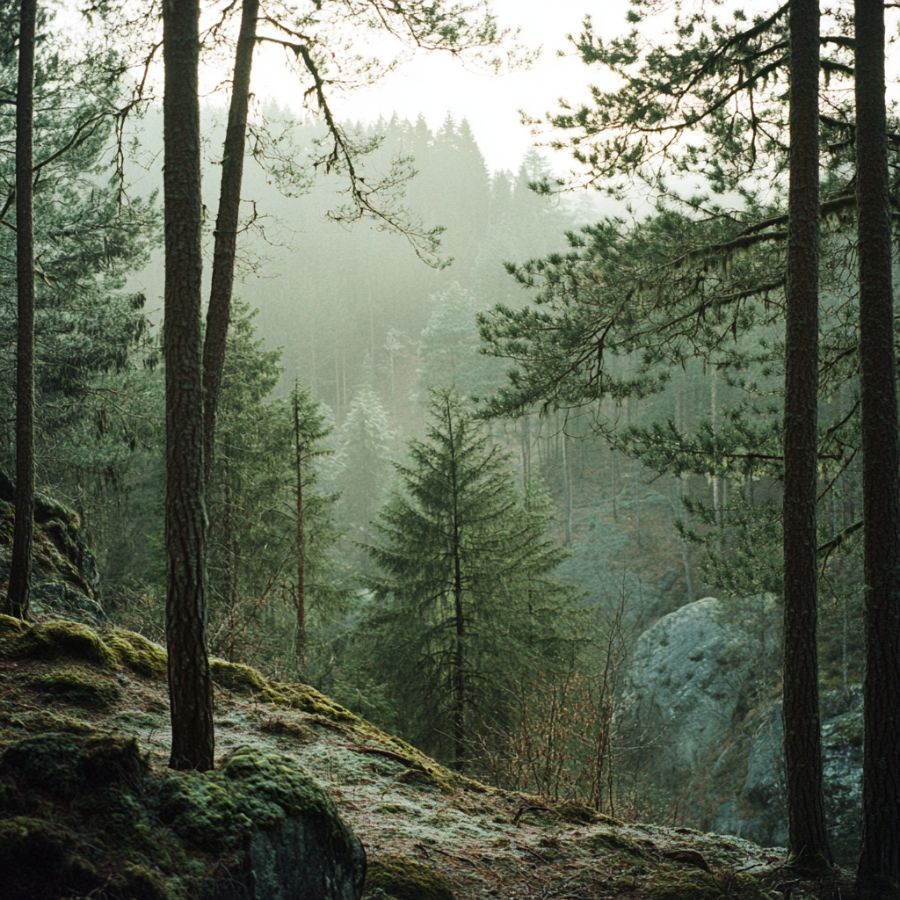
(23, 530)
(808, 839)
(879, 866)
(218, 315)
(190, 687)
(300, 596)
(459, 645)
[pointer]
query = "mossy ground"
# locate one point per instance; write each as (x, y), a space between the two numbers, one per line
(86, 799)
(401, 878)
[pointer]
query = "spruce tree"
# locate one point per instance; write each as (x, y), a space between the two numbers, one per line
(311, 427)
(465, 588)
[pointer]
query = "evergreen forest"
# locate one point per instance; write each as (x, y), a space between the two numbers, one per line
(567, 493)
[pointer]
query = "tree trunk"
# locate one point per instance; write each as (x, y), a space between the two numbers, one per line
(459, 648)
(300, 595)
(567, 488)
(808, 840)
(218, 315)
(190, 687)
(20, 566)
(879, 866)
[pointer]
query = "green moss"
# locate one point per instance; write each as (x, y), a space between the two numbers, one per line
(401, 878)
(11, 631)
(681, 884)
(53, 640)
(11, 625)
(574, 812)
(137, 882)
(137, 653)
(241, 679)
(606, 841)
(78, 688)
(251, 789)
(67, 765)
(308, 699)
(44, 720)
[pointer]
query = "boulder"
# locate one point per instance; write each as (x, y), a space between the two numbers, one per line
(757, 808)
(692, 677)
(65, 581)
(702, 705)
(85, 815)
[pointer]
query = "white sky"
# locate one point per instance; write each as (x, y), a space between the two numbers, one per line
(434, 84)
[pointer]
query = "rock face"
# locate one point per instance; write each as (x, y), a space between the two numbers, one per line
(84, 815)
(702, 704)
(756, 809)
(694, 673)
(65, 580)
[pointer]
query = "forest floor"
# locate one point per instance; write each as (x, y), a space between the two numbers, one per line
(412, 815)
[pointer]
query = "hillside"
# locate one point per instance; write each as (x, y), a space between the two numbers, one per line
(99, 698)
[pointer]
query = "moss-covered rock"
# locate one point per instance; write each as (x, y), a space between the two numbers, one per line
(401, 878)
(240, 679)
(136, 652)
(76, 687)
(37, 862)
(65, 580)
(104, 823)
(284, 830)
(65, 640)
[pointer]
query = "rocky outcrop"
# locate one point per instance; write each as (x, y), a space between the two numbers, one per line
(756, 807)
(693, 676)
(65, 580)
(84, 815)
(702, 705)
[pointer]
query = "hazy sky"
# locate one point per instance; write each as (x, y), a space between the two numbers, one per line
(434, 84)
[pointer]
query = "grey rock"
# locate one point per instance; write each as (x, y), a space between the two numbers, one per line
(702, 704)
(692, 675)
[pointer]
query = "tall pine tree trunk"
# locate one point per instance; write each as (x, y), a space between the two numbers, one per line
(190, 687)
(218, 315)
(458, 713)
(20, 567)
(879, 867)
(300, 537)
(808, 839)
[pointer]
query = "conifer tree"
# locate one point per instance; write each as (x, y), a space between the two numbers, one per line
(465, 586)
(190, 683)
(808, 839)
(20, 570)
(879, 867)
(364, 472)
(310, 429)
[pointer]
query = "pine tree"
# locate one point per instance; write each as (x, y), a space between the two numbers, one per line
(879, 867)
(190, 683)
(20, 569)
(449, 348)
(808, 839)
(466, 594)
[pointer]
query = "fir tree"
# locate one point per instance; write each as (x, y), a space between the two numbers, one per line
(364, 472)
(467, 598)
